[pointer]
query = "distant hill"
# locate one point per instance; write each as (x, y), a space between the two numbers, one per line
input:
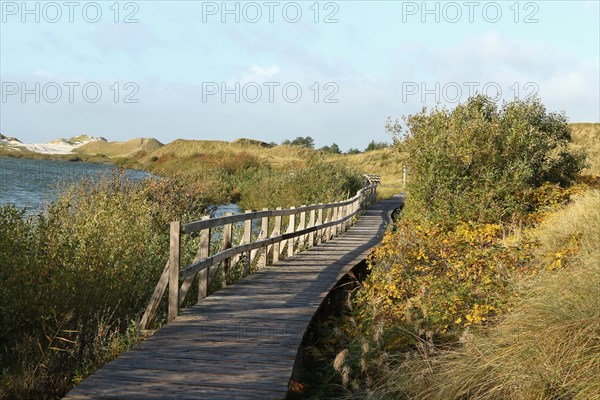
(186, 156)
(132, 148)
(65, 147)
(8, 139)
(77, 140)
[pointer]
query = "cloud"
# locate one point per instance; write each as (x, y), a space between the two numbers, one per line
(40, 73)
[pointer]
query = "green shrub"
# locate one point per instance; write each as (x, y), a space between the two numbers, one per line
(75, 278)
(318, 182)
(474, 163)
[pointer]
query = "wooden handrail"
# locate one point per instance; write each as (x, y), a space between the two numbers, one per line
(196, 226)
(325, 221)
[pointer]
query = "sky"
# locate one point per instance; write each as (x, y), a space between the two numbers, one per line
(275, 70)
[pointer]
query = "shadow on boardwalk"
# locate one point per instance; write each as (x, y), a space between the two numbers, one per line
(242, 341)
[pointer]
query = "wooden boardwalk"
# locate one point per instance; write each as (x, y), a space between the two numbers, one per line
(241, 342)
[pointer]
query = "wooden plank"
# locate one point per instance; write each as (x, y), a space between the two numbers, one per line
(264, 230)
(291, 229)
(311, 223)
(226, 244)
(203, 253)
(245, 240)
(301, 227)
(174, 247)
(319, 223)
(157, 295)
(276, 232)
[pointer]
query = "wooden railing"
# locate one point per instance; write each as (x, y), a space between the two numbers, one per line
(307, 226)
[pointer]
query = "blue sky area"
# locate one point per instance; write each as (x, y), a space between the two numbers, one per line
(273, 70)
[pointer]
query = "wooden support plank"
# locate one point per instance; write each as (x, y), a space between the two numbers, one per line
(226, 244)
(332, 230)
(158, 293)
(291, 229)
(247, 238)
(276, 232)
(174, 249)
(327, 231)
(320, 222)
(301, 226)
(203, 253)
(311, 223)
(264, 231)
(346, 212)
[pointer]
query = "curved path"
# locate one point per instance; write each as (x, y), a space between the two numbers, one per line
(241, 342)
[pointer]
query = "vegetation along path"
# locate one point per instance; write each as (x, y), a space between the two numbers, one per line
(242, 341)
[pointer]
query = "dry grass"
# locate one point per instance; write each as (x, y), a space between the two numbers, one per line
(586, 136)
(130, 148)
(548, 347)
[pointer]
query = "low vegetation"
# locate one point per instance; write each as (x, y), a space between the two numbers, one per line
(76, 277)
(486, 287)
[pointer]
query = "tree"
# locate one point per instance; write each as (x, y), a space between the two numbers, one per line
(304, 142)
(373, 145)
(480, 162)
(334, 149)
(352, 150)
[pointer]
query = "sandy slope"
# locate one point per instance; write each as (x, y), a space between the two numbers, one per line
(60, 146)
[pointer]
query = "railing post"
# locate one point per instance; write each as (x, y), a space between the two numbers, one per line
(347, 209)
(174, 249)
(334, 217)
(319, 222)
(277, 232)
(291, 229)
(264, 233)
(301, 226)
(311, 224)
(227, 233)
(327, 231)
(247, 238)
(203, 253)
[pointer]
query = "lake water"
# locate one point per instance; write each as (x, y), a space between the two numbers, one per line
(30, 183)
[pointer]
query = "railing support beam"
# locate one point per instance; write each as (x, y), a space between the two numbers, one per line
(174, 249)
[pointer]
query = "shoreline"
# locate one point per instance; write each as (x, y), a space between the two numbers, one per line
(74, 158)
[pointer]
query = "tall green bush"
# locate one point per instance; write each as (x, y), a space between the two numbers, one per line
(477, 161)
